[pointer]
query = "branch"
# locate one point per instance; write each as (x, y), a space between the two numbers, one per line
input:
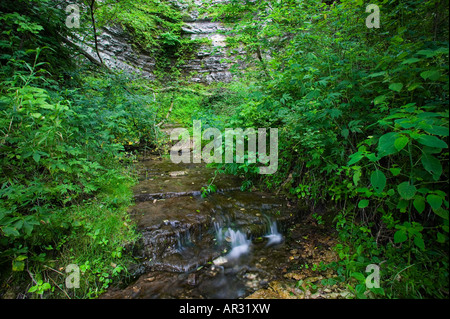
(91, 7)
(83, 52)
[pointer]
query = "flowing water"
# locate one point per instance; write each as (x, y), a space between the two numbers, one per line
(226, 245)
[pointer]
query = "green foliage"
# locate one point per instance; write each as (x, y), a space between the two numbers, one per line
(362, 116)
(58, 151)
(65, 177)
(363, 124)
(30, 24)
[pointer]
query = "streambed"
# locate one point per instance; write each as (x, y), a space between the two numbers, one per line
(227, 245)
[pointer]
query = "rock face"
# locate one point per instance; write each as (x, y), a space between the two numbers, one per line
(208, 63)
(117, 53)
(205, 65)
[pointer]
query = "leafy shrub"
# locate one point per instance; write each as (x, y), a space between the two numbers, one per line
(363, 124)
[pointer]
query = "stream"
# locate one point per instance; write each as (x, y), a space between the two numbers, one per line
(227, 245)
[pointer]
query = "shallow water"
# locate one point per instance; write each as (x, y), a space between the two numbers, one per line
(224, 246)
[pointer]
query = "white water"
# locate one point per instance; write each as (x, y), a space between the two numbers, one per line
(240, 244)
(274, 236)
(219, 232)
(183, 239)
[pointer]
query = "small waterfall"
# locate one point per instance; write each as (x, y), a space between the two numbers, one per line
(238, 240)
(219, 232)
(274, 236)
(240, 244)
(183, 240)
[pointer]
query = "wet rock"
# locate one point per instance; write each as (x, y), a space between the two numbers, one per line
(251, 276)
(191, 280)
(177, 173)
(276, 290)
(220, 261)
(295, 276)
(179, 236)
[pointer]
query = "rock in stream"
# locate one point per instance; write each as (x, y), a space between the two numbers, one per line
(195, 247)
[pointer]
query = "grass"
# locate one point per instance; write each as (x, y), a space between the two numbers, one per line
(97, 236)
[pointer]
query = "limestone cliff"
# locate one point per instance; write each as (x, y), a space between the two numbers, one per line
(208, 63)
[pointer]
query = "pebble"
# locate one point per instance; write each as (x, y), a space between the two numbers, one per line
(192, 279)
(251, 276)
(220, 261)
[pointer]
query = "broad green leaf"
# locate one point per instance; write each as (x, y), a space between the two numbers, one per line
(406, 190)
(397, 87)
(386, 144)
(405, 123)
(410, 60)
(363, 203)
(440, 238)
(428, 53)
(419, 242)
(433, 75)
(425, 115)
(423, 190)
(46, 286)
(442, 213)
(402, 205)
(378, 180)
(437, 130)
(432, 165)
(36, 157)
(435, 201)
(359, 276)
(372, 157)
(379, 291)
(400, 236)
(18, 265)
(401, 142)
(395, 170)
(33, 289)
(415, 86)
(379, 99)
(355, 157)
(432, 141)
(10, 231)
(356, 177)
(374, 75)
(442, 50)
(21, 257)
(419, 203)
